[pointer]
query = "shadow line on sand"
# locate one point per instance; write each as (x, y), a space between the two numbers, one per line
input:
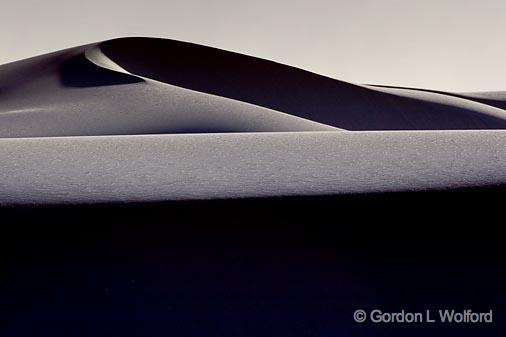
(79, 72)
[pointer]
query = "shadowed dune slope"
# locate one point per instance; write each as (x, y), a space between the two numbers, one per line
(295, 91)
(492, 98)
(158, 86)
(80, 92)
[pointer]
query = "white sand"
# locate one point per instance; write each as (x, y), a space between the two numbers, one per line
(206, 166)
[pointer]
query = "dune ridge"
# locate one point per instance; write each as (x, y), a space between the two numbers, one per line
(79, 92)
(158, 86)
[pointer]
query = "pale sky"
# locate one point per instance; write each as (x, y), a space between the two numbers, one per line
(441, 44)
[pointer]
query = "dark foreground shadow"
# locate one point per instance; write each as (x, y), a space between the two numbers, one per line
(265, 267)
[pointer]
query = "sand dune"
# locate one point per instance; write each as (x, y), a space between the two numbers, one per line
(146, 86)
(104, 122)
(78, 92)
(295, 91)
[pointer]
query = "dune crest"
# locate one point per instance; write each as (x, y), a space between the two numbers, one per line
(157, 86)
(295, 91)
(81, 92)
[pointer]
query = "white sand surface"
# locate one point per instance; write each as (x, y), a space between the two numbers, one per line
(207, 166)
